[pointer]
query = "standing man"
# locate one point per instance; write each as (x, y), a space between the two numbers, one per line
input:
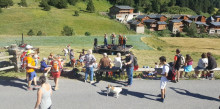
(129, 63)
(124, 42)
(105, 40)
(113, 38)
(211, 64)
(89, 61)
(164, 74)
(30, 69)
(72, 58)
(177, 64)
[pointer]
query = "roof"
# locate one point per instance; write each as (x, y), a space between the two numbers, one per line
(217, 16)
(176, 20)
(135, 22)
(141, 16)
(123, 7)
(215, 23)
(155, 16)
(210, 18)
(149, 21)
(161, 23)
(176, 16)
(189, 21)
(201, 23)
(130, 21)
(193, 17)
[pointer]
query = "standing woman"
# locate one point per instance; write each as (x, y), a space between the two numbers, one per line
(56, 71)
(188, 65)
(44, 95)
(72, 58)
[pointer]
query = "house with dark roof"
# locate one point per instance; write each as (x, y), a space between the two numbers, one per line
(161, 25)
(209, 20)
(214, 28)
(151, 24)
(121, 10)
(183, 17)
(176, 25)
(187, 22)
(141, 18)
(217, 18)
(200, 24)
(158, 17)
(137, 26)
(197, 18)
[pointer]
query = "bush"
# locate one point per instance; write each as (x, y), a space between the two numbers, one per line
(39, 33)
(30, 32)
(72, 2)
(45, 5)
(53, 2)
(6, 3)
(61, 4)
(76, 13)
(67, 31)
(23, 3)
(87, 34)
(90, 7)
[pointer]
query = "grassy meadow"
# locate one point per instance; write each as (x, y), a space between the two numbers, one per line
(16, 20)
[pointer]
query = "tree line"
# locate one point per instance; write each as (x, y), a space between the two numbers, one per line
(160, 6)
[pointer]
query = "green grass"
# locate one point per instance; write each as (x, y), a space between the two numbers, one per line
(17, 20)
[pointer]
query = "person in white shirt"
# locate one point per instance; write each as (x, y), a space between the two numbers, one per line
(164, 74)
(117, 63)
(202, 64)
(65, 51)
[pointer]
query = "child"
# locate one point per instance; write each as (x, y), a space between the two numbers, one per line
(164, 74)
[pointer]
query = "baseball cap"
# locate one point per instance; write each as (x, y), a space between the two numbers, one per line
(30, 52)
(29, 47)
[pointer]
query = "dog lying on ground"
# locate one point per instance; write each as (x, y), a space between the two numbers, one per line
(114, 90)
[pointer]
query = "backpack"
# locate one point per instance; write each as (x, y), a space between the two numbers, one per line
(172, 72)
(135, 61)
(180, 60)
(55, 66)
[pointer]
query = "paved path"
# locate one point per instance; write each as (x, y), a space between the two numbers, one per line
(74, 94)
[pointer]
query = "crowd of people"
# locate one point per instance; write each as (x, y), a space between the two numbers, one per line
(54, 65)
(122, 40)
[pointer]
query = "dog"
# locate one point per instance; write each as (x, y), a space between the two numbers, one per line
(114, 90)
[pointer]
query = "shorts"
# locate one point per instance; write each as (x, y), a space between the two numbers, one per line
(56, 75)
(163, 83)
(32, 75)
(198, 68)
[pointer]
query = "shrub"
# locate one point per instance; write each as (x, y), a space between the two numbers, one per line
(30, 32)
(6, 3)
(53, 2)
(67, 31)
(87, 33)
(76, 13)
(72, 2)
(90, 7)
(45, 5)
(39, 33)
(61, 4)
(23, 3)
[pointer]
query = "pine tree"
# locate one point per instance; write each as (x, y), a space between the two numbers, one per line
(23, 3)
(6, 3)
(61, 4)
(90, 7)
(156, 6)
(192, 30)
(172, 3)
(72, 2)
(53, 2)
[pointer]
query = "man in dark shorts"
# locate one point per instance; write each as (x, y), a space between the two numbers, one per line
(177, 64)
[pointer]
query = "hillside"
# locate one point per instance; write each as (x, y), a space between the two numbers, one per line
(16, 20)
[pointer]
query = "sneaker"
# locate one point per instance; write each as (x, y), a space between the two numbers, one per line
(29, 88)
(91, 82)
(56, 88)
(85, 81)
(161, 100)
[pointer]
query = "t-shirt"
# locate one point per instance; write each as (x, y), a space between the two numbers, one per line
(30, 61)
(128, 59)
(89, 59)
(117, 62)
(165, 70)
(203, 63)
(105, 62)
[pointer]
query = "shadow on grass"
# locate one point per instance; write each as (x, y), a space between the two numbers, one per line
(195, 95)
(13, 82)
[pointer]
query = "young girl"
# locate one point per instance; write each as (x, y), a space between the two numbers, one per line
(188, 65)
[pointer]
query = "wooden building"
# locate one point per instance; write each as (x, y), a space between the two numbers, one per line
(209, 20)
(137, 26)
(199, 24)
(161, 26)
(217, 18)
(187, 22)
(198, 18)
(151, 24)
(158, 17)
(141, 18)
(176, 25)
(121, 10)
(214, 28)
(183, 17)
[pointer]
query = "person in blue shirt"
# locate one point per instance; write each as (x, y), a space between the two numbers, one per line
(44, 67)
